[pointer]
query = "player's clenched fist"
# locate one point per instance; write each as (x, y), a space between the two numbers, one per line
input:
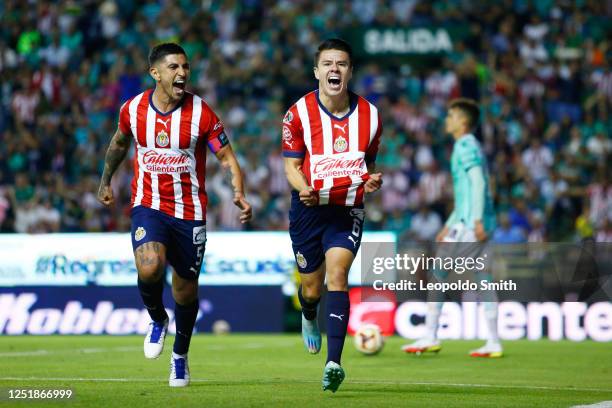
(246, 212)
(309, 197)
(374, 183)
(105, 195)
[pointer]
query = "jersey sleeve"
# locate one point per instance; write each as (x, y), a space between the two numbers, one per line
(477, 180)
(293, 135)
(372, 152)
(212, 128)
(469, 155)
(124, 119)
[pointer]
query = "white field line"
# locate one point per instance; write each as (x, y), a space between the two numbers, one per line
(263, 382)
(91, 350)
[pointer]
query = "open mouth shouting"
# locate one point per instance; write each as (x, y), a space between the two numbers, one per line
(178, 86)
(334, 82)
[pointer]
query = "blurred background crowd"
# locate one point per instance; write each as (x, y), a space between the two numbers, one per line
(540, 70)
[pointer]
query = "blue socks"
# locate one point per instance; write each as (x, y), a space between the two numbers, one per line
(184, 317)
(151, 294)
(338, 308)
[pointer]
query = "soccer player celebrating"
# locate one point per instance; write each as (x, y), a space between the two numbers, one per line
(171, 129)
(330, 141)
(471, 221)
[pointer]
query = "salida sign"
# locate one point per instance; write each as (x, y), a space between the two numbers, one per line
(398, 41)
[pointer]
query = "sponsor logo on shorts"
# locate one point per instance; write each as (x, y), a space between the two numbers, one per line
(199, 235)
(162, 139)
(140, 233)
(301, 261)
(358, 215)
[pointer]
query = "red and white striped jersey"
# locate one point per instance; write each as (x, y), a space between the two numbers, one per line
(170, 159)
(335, 150)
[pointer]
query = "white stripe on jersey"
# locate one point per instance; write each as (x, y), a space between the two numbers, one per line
(353, 130)
(195, 132)
(133, 110)
(305, 120)
(328, 150)
(303, 113)
(373, 122)
(151, 144)
(175, 138)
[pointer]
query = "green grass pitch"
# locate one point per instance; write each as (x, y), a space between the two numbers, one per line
(274, 370)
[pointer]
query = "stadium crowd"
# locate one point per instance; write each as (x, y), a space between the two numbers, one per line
(540, 70)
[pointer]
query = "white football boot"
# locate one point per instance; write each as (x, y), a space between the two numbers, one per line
(154, 340)
(179, 371)
(423, 346)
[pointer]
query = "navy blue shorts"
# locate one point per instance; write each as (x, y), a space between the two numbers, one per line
(185, 240)
(314, 230)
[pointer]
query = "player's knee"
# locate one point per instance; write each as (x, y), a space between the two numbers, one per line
(311, 291)
(185, 294)
(151, 269)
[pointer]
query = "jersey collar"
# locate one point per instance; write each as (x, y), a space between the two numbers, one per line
(352, 104)
(178, 105)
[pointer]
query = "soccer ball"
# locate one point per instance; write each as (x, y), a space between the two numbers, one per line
(220, 327)
(368, 339)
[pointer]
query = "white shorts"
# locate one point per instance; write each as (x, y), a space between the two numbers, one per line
(460, 233)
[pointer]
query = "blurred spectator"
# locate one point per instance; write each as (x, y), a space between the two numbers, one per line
(434, 186)
(506, 233)
(538, 159)
(584, 227)
(605, 233)
(425, 225)
(600, 199)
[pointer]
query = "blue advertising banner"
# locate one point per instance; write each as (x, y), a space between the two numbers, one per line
(119, 310)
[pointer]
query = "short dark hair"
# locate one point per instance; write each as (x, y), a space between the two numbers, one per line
(334, 44)
(161, 50)
(469, 108)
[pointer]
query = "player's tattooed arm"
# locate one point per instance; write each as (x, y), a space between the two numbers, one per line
(230, 166)
(297, 180)
(116, 152)
(375, 181)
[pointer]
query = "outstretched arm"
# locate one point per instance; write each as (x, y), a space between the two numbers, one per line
(117, 149)
(228, 161)
(298, 181)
